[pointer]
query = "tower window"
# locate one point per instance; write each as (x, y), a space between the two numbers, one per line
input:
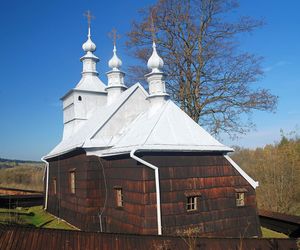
(79, 98)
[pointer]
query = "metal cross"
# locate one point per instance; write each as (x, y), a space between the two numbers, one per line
(113, 34)
(89, 17)
(152, 27)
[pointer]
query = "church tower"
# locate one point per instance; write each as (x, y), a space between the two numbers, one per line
(80, 103)
(115, 76)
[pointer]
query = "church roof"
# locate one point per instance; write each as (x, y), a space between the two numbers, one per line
(168, 128)
(91, 83)
(135, 120)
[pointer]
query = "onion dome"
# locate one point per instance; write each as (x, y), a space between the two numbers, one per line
(115, 62)
(89, 46)
(155, 63)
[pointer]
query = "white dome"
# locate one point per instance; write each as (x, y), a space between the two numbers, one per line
(115, 62)
(89, 45)
(155, 62)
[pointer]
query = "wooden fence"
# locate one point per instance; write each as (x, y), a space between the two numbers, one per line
(15, 237)
(13, 197)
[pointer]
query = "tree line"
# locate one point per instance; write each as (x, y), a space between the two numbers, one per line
(277, 168)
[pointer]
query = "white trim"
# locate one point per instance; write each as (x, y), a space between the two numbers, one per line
(158, 209)
(83, 91)
(47, 182)
(252, 182)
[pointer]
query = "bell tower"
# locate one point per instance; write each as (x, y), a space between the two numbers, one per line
(89, 94)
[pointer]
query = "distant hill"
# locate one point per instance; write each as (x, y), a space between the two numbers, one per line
(21, 174)
(11, 163)
(2, 160)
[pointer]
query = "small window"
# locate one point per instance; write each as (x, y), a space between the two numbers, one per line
(54, 186)
(72, 182)
(191, 203)
(119, 196)
(240, 199)
(79, 98)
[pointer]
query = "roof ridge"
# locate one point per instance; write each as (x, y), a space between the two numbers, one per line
(134, 87)
(160, 115)
(130, 126)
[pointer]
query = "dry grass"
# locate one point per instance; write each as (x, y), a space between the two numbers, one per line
(23, 176)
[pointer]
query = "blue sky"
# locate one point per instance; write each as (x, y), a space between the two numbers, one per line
(41, 46)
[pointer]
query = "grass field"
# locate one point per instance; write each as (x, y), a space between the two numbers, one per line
(33, 216)
(267, 233)
(38, 217)
(23, 175)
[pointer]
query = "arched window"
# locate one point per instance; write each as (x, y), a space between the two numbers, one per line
(79, 98)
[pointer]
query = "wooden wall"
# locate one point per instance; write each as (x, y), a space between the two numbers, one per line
(125, 173)
(215, 180)
(80, 209)
(210, 175)
(94, 196)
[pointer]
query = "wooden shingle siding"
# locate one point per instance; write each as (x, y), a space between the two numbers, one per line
(210, 175)
(216, 180)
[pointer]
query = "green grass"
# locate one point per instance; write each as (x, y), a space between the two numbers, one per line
(38, 217)
(267, 233)
(33, 216)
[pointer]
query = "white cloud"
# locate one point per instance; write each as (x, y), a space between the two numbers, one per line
(276, 65)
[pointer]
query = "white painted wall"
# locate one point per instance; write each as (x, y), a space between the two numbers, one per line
(123, 117)
(77, 111)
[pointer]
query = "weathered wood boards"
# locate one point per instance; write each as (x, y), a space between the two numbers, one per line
(208, 176)
(21, 238)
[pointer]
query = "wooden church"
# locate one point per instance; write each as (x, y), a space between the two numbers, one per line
(133, 162)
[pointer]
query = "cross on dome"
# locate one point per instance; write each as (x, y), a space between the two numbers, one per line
(113, 34)
(155, 62)
(89, 46)
(152, 27)
(89, 17)
(115, 62)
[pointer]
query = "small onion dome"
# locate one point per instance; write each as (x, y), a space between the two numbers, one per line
(89, 45)
(115, 62)
(155, 62)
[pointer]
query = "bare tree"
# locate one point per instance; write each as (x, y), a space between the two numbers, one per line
(207, 75)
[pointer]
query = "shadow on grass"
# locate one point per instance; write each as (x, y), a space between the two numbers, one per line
(34, 216)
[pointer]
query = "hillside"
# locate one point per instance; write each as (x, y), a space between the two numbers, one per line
(21, 174)
(277, 169)
(11, 163)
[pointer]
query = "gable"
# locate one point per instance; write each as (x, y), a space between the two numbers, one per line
(95, 123)
(120, 121)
